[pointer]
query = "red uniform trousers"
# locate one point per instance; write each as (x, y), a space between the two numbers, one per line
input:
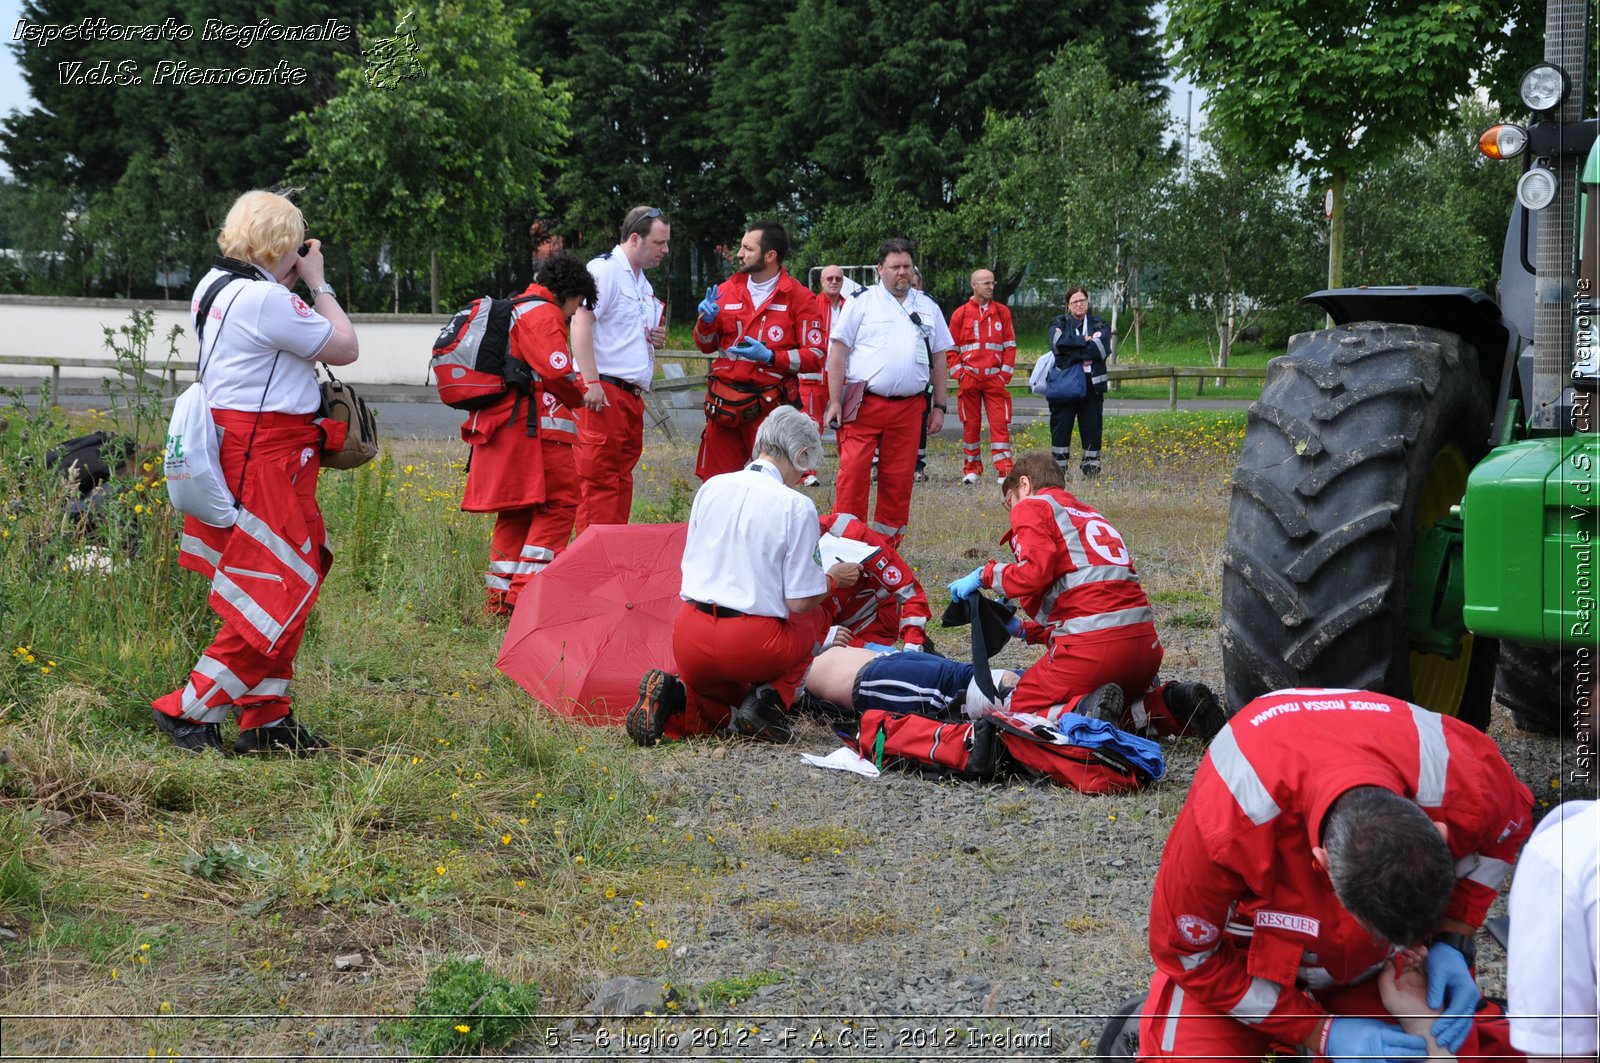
(889, 427)
(978, 394)
(526, 540)
(1183, 1028)
(232, 672)
(725, 449)
(1072, 668)
(814, 400)
(721, 658)
(609, 445)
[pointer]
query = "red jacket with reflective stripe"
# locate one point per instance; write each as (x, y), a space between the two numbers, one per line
(1073, 575)
(1241, 918)
(539, 338)
(986, 345)
(788, 322)
(888, 591)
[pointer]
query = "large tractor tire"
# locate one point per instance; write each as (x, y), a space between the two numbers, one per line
(1539, 686)
(1362, 438)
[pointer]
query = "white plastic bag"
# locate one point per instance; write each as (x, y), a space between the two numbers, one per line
(195, 483)
(1041, 370)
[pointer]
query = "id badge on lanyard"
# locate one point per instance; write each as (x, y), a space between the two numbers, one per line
(924, 336)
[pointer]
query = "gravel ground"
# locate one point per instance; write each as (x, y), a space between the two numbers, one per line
(948, 919)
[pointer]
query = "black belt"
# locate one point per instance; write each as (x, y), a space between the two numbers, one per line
(894, 398)
(625, 385)
(716, 610)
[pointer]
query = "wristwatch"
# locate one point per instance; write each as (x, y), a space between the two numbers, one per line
(941, 407)
(1460, 942)
(320, 289)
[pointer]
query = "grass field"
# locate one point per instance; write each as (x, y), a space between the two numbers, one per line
(454, 818)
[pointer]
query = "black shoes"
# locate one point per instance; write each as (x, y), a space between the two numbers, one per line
(285, 736)
(192, 737)
(661, 695)
(1196, 706)
(761, 716)
(1105, 703)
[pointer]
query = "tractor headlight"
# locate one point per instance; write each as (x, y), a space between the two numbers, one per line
(1504, 141)
(1536, 188)
(1543, 87)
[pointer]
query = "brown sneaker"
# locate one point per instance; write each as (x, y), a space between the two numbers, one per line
(661, 695)
(761, 716)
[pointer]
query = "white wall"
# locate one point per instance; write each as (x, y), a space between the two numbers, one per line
(394, 347)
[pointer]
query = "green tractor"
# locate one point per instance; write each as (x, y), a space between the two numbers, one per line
(1414, 511)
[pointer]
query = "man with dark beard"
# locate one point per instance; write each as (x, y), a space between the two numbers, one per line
(768, 329)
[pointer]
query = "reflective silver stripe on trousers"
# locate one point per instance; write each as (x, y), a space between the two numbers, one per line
(496, 583)
(886, 529)
(1239, 775)
(1257, 1002)
(258, 530)
(195, 545)
(1433, 757)
(1170, 1035)
(253, 614)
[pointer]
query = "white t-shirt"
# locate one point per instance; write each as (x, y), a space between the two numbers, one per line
(751, 543)
(1555, 936)
(250, 323)
(886, 344)
(624, 309)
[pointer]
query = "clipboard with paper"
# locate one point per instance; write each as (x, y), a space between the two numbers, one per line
(831, 550)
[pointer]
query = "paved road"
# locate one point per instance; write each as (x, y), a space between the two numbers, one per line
(414, 412)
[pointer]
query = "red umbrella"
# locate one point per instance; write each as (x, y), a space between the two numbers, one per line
(596, 619)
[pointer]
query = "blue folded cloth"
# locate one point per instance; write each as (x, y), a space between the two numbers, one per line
(1142, 753)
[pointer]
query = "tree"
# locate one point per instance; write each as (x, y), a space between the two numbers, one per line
(1336, 85)
(1437, 213)
(906, 88)
(1236, 242)
(156, 222)
(83, 136)
(427, 167)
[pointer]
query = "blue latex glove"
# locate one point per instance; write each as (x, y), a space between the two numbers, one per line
(708, 306)
(967, 585)
(1351, 1040)
(1450, 986)
(1014, 625)
(751, 351)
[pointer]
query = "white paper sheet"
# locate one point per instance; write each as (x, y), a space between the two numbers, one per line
(842, 759)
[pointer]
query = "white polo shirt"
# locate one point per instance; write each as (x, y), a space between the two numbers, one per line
(1555, 936)
(250, 323)
(625, 308)
(751, 543)
(886, 345)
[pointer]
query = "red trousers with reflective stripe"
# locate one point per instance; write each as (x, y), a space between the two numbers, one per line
(814, 400)
(1072, 668)
(725, 449)
(891, 427)
(1177, 1026)
(526, 540)
(721, 658)
(609, 445)
(977, 395)
(232, 674)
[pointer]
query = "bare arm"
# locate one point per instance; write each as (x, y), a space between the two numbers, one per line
(594, 396)
(341, 348)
